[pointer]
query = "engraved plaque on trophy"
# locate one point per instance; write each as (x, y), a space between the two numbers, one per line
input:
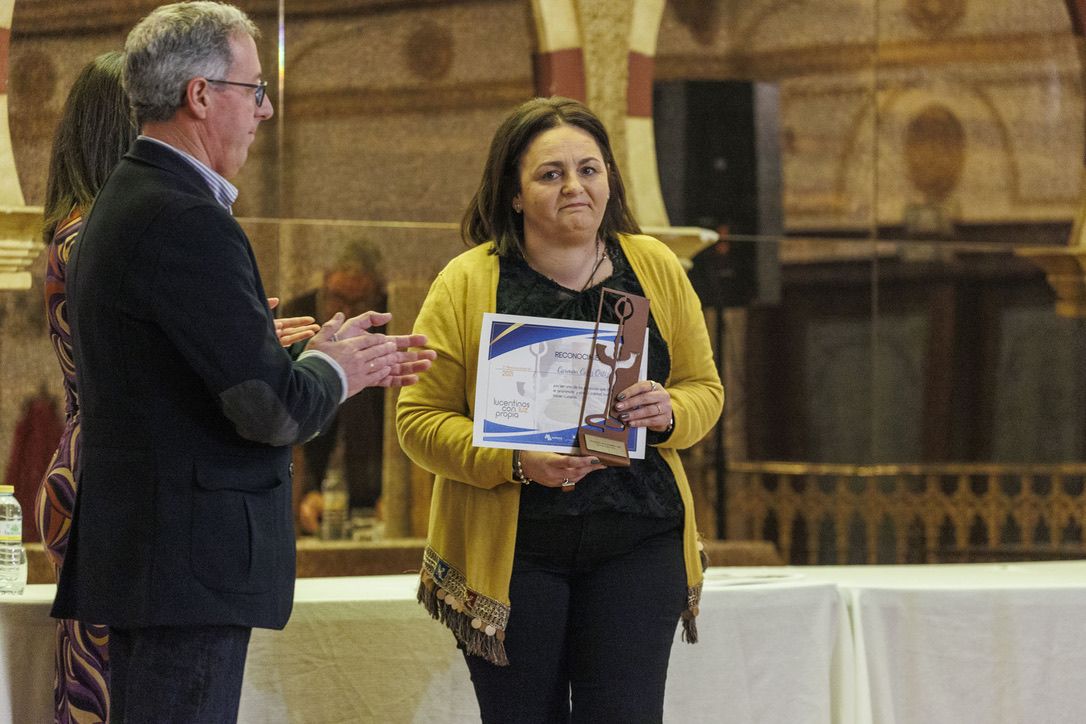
(602, 434)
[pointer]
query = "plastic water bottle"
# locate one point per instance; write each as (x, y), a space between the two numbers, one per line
(12, 554)
(336, 504)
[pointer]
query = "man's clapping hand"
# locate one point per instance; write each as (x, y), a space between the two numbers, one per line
(372, 359)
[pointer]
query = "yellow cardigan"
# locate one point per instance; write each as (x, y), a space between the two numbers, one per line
(473, 515)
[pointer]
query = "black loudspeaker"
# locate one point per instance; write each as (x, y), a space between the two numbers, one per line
(718, 151)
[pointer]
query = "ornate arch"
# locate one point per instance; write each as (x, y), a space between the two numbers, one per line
(580, 55)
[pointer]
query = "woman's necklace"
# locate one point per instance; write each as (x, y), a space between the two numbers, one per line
(601, 255)
(599, 252)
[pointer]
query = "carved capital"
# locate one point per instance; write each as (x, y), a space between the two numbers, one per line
(20, 244)
(1065, 270)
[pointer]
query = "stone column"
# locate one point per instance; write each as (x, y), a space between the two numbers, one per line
(421, 251)
(10, 192)
(19, 226)
(1065, 266)
(20, 246)
(405, 487)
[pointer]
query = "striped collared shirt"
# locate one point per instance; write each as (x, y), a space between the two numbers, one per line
(223, 191)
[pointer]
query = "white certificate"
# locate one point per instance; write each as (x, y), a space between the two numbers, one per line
(530, 382)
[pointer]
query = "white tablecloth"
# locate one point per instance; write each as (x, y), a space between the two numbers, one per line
(886, 644)
(26, 656)
(362, 650)
(989, 643)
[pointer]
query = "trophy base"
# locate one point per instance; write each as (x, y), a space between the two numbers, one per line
(609, 448)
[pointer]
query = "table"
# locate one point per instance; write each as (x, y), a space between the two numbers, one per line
(888, 644)
(991, 643)
(363, 650)
(26, 656)
(772, 647)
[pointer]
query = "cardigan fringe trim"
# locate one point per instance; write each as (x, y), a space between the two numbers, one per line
(477, 621)
(690, 615)
(693, 599)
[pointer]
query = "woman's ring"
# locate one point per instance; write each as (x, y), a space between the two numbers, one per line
(652, 386)
(567, 484)
(658, 410)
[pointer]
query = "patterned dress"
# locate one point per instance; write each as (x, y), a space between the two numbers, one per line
(80, 689)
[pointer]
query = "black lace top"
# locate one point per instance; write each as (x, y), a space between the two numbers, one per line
(645, 488)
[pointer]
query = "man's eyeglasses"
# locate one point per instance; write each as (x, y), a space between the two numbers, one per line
(261, 88)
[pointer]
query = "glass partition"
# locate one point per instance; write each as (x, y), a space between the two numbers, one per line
(318, 267)
(874, 168)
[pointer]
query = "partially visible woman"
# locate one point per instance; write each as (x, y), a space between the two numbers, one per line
(95, 130)
(562, 580)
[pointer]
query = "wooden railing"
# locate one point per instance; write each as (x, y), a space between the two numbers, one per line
(827, 514)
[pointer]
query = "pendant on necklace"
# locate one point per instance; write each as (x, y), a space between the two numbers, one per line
(600, 255)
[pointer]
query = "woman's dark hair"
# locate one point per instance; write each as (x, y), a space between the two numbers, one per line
(94, 132)
(490, 214)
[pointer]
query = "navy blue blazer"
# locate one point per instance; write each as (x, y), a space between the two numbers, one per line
(189, 406)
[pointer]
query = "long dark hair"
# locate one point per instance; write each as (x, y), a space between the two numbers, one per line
(490, 214)
(94, 131)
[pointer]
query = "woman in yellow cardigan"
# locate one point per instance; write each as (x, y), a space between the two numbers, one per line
(562, 579)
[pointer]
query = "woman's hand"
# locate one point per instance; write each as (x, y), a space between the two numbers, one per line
(292, 329)
(554, 470)
(645, 404)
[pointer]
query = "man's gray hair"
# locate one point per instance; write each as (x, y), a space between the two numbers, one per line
(175, 44)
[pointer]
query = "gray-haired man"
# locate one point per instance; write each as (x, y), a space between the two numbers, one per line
(182, 538)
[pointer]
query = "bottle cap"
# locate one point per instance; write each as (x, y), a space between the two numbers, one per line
(7, 489)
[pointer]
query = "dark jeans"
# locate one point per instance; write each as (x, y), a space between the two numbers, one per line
(176, 675)
(595, 603)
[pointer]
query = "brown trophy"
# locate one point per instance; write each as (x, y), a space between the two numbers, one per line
(602, 434)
